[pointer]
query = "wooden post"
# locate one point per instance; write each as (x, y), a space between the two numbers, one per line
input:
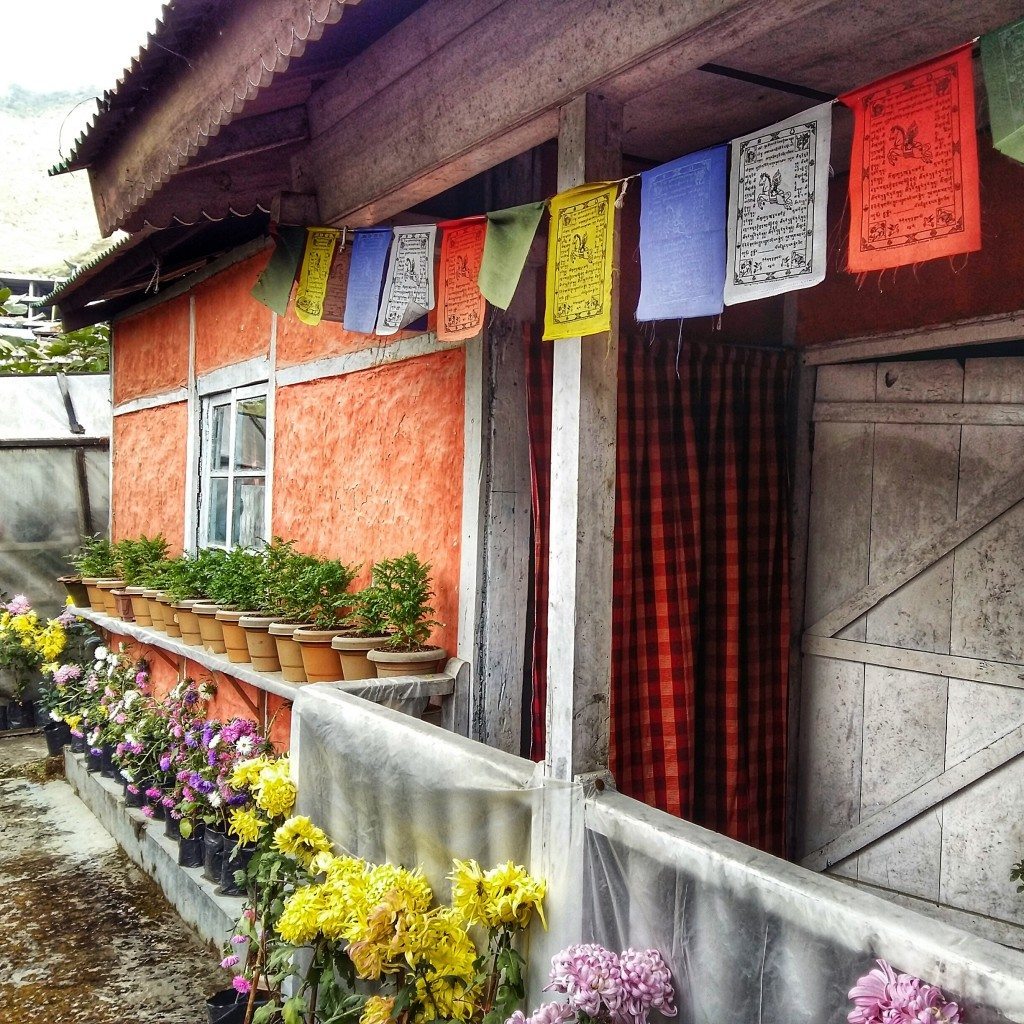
(583, 427)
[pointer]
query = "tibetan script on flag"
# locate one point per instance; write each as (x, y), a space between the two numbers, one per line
(316, 268)
(580, 252)
(778, 206)
(460, 306)
(1002, 60)
(409, 285)
(682, 237)
(914, 166)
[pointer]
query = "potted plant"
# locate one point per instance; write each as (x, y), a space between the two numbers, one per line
(239, 587)
(288, 605)
(281, 564)
(322, 599)
(94, 561)
(368, 622)
(404, 590)
(153, 578)
(133, 558)
(187, 586)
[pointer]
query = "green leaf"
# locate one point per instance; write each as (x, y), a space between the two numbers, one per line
(294, 1010)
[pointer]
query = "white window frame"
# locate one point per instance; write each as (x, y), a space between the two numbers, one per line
(230, 399)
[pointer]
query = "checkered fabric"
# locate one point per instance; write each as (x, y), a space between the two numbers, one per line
(701, 599)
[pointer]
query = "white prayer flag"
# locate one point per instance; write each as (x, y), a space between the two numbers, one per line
(409, 284)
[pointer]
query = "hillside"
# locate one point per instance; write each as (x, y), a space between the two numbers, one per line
(44, 221)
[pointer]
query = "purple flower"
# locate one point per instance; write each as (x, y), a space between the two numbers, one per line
(646, 985)
(237, 940)
(240, 984)
(18, 605)
(884, 997)
(148, 811)
(133, 789)
(228, 962)
(168, 802)
(165, 763)
(154, 793)
(96, 751)
(589, 975)
(190, 740)
(211, 758)
(141, 678)
(552, 1013)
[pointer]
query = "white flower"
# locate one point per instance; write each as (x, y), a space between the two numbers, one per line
(111, 658)
(101, 653)
(129, 738)
(129, 698)
(128, 775)
(55, 716)
(214, 799)
(244, 745)
(111, 671)
(93, 737)
(214, 741)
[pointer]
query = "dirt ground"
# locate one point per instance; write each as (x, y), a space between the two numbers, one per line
(84, 935)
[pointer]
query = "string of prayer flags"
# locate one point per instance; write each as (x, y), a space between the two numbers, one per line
(580, 253)
(1002, 62)
(682, 237)
(274, 286)
(334, 295)
(316, 267)
(460, 305)
(366, 270)
(914, 166)
(778, 207)
(510, 234)
(409, 282)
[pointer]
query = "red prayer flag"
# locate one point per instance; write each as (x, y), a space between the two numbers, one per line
(460, 306)
(914, 166)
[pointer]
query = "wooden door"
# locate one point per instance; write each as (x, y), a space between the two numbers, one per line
(911, 775)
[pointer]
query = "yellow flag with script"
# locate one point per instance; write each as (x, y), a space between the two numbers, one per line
(580, 251)
(316, 269)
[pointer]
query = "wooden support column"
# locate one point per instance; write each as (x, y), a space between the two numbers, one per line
(583, 427)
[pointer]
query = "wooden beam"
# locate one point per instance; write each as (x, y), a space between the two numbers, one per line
(924, 797)
(950, 666)
(251, 136)
(583, 436)
(918, 557)
(477, 86)
(295, 209)
(987, 414)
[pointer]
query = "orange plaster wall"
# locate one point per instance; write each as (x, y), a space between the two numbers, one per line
(299, 343)
(369, 466)
(151, 351)
(231, 326)
(149, 473)
(936, 292)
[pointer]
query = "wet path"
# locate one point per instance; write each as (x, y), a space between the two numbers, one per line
(85, 936)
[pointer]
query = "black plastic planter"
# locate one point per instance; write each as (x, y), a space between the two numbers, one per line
(95, 761)
(228, 1007)
(5, 722)
(58, 735)
(234, 860)
(136, 799)
(108, 771)
(172, 827)
(190, 852)
(21, 714)
(77, 744)
(213, 853)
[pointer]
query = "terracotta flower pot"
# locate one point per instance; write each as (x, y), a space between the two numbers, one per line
(93, 593)
(188, 622)
(289, 653)
(407, 663)
(107, 588)
(140, 606)
(210, 627)
(123, 605)
(260, 644)
(171, 627)
(77, 590)
(321, 662)
(156, 609)
(353, 652)
(234, 635)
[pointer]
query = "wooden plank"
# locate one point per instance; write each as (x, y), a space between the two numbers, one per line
(920, 799)
(926, 552)
(925, 413)
(493, 89)
(583, 438)
(978, 670)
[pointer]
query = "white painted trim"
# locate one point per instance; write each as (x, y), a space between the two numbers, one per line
(151, 401)
(237, 375)
(268, 504)
(190, 541)
(365, 359)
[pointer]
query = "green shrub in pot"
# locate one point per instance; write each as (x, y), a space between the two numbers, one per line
(94, 559)
(132, 557)
(315, 591)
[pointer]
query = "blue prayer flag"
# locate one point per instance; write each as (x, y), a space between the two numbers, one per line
(362, 299)
(682, 237)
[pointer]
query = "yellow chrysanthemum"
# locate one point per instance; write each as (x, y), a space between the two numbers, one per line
(442, 997)
(247, 773)
(73, 721)
(274, 790)
(377, 1010)
(299, 921)
(246, 824)
(298, 837)
(507, 895)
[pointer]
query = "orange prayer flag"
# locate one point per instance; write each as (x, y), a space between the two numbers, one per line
(914, 166)
(460, 306)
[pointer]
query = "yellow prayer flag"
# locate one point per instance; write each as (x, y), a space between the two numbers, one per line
(316, 269)
(579, 279)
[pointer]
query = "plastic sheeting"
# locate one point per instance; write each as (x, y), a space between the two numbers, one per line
(751, 938)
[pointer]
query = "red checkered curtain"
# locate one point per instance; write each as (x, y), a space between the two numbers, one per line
(701, 611)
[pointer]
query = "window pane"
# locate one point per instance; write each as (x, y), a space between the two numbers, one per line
(220, 439)
(251, 434)
(217, 517)
(247, 520)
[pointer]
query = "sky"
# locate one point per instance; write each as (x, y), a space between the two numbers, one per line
(87, 47)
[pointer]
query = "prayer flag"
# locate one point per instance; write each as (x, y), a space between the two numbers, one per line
(1002, 60)
(274, 286)
(509, 237)
(778, 207)
(914, 166)
(580, 251)
(409, 284)
(337, 283)
(362, 297)
(682, 237)
(316, 267)
(461, 307)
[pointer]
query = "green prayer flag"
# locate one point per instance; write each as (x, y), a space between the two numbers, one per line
(507, 244)
(1002, 60)
(274, 286)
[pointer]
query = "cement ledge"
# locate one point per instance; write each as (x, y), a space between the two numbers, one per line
(143, 840)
